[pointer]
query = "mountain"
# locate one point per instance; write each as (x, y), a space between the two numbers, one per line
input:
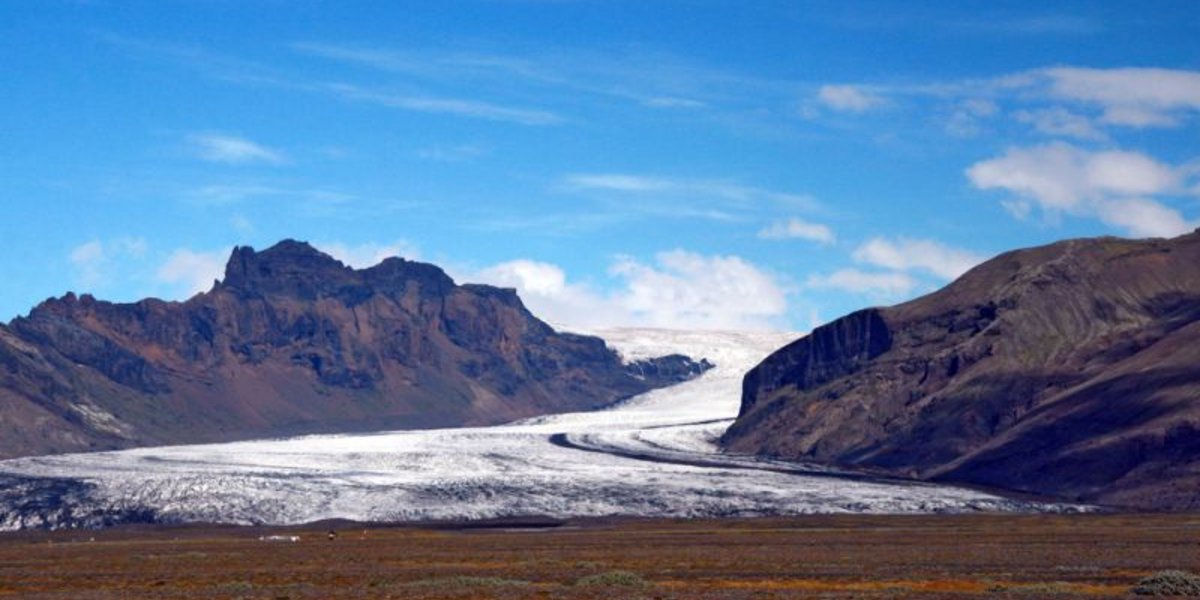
(1069, 370)
(292, 341)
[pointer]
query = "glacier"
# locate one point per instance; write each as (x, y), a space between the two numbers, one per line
(654, 455)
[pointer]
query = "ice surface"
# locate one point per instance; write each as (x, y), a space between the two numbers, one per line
(653, 455)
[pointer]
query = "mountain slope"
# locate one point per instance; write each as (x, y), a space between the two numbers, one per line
(1071, 369)
(292, 341)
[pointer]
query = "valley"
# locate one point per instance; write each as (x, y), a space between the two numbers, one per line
(654, 455)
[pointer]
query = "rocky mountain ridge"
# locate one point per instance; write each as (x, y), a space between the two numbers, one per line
(292, 341)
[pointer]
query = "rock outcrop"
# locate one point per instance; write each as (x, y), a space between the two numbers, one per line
(1070, 370)
(292, 341)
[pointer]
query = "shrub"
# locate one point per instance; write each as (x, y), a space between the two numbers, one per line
(621, 578)
(1037, 589)
(465, 581)
(1168, 583)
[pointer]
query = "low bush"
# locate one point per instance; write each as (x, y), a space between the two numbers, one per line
(465, 581)
(1055, 588)
(615, 578)
(1168, 583)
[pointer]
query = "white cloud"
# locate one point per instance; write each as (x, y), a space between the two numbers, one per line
(906, 254)
(241, 224)
(537, 278)
(88, 259)
(547, 293)
(1142, 217)
(967, 116)
(855, 281)
(687, 289)
(362, 256)
(1134, 97)
(232, 149)
(848, 98)
(1138, 117)
(94, 261)
(1059, 121)
(798, 228)
(1112, 185)
(680, 289)
(192, 272)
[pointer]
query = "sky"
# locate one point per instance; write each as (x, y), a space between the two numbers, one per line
(695, 164)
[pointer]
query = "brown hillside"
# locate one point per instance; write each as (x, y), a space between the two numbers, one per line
(293, 341)
(1071, 369)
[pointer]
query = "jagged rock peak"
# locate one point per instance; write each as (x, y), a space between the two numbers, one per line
(297, 267)
(288, 259)
(394, 271)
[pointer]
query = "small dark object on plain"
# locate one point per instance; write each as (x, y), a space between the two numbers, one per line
(1168, 583)
(332, 535)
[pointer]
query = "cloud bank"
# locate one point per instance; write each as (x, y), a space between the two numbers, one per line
(680, 289)
(1120, 188)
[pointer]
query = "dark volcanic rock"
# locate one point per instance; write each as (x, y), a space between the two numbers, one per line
(293, 341)
(673, 368)
(1070, 370)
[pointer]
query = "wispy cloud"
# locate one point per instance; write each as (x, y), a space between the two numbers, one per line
(589, 80)
(453, 153)
(232, 149)
(557, 224)
(191, 272)
(875, 284)
(795, 228)
(848, 98)
(670, 102)
(96, 261)
(1059, 121)
(225, 194)
(369, 254)
(710, 188)
(249, 73)
(1048, 24)
(625, 183)
(938, 21)
(211, 64)
(88, 259)
(452, 106)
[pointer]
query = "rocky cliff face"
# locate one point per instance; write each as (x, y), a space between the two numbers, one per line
(1070, 370)
(292, 341)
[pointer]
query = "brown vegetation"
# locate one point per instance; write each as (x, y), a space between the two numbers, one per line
(833, 557)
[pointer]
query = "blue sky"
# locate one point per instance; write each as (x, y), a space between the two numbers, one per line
(688, 164)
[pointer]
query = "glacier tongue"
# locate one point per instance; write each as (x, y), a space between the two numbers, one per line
(653, 455)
